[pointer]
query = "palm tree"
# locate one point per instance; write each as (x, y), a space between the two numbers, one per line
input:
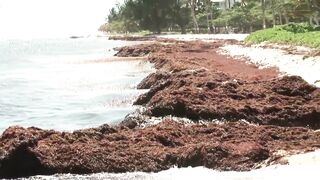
(193, 13)
(263, 6)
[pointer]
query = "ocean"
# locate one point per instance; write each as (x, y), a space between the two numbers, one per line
(66, 84)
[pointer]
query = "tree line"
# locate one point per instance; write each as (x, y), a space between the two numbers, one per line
(208, 16)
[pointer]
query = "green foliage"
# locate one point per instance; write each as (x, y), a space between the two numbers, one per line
(180, 14)
(153, 15)
(207, 11)
(120, 27)
(116, 26)
(242, 16)
(297, 28)
(288, 34)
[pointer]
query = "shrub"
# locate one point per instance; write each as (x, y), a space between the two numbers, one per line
(297, 28)
(295, 34)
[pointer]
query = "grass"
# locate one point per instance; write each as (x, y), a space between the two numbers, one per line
(294, 34)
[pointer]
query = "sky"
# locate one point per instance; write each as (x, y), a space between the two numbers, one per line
(52, 18)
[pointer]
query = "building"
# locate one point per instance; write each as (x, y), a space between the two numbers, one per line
(225, 4)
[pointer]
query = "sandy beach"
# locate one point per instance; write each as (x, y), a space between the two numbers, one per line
(241, 114)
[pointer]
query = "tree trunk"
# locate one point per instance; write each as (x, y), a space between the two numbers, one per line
(286, 18)
(285, 14)
(158, 29)
(193, 13)
(310, 12)
(211, 18)
(243, 3)
(208, 24)
(183, 29)
(208, 15)
(273, 14)
(274, 21)
(316, 5)
(263, 5)
(317, 21)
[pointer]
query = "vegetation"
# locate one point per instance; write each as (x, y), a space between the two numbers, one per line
(209, 16)
(297, 34)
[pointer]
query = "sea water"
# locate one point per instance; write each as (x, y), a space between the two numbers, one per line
(66, 84)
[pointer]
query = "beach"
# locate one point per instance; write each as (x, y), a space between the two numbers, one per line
(210, 104)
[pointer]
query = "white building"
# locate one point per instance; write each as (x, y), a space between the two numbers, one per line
(225, 4)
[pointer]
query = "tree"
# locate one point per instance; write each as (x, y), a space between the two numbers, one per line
(180, 14)
(153, 15)
(193, 13)
(210, 9)
(243, 16)
(263, 6)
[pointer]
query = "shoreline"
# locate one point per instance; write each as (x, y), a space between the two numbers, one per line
(195, 81)
(291, 60)
(114, 59)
